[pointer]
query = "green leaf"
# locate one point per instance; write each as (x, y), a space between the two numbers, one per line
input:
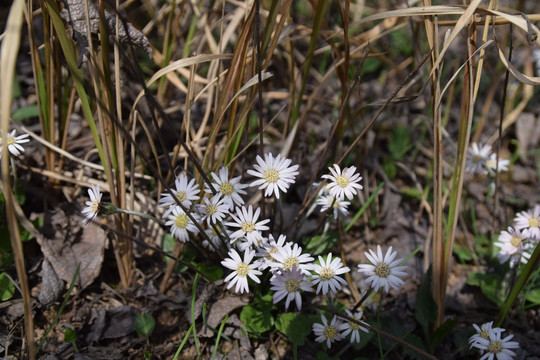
(463, 253)
(426, 308)
(399, 142)
(145, 324)
(7, 289)
(533, 296)
(490, 284)
(213, 272)
(257, 318)
(296, 327)
(70, 335)
(26, 112)
(417, 342)
(442, 332)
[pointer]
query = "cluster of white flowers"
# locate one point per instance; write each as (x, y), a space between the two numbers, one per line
(488, 340)
(482, 161)
(517, 242)
(251, 251)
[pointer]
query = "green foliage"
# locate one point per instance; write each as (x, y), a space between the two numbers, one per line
(71, 337)
(398, 145)
(7, 289)
(320, 244)
(463, 253)
(296, 327)
(26, 112)
(426, 308)
(212, 271)
(145, 324)
(490, 284)
(257, 317)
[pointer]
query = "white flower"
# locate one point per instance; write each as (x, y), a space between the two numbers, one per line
(477, 155)
(247, 222)
(495, 347)
(181, 223)
(383, 271)
(229, 189)
(512, 245)
(185, 192)
(213, 210)
(339, 206)
(353, 328)
(93, 207)
(288, 284)
(267, 249)
(329, 332)
(274, 173)
(241, 270)
(491, 165)
(289, 255)
(13, 143)
(482, 332)
(529, 220)
(327, 274)
(343, 183)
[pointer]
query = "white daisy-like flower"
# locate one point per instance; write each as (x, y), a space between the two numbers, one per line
(267, 249)
(343, 183)
(327, 274)
(477, 155)
(13, 143)
(229, 189)
(289, 255)
(181, 223)
(329, 332)
(288, 284)
(339, 206)
(495, 347)
(493, 168)
(529, 220)
(241, 270)
(512, 244)
(383, 270)
(214, 209)
(185, 192)
(275, 174)
(93, 207)
(354, 328)
(247, 222)
(482, 332)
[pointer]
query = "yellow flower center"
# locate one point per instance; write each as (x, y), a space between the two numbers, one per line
(484, 334)
(181, 195)
(211, 209)
(342, 181)
(95, 206)
(10, 140)
(270, 252)
(515, 241)
(290, 262)
(271, 175)
(181, 221)
(292, 285)
(326, 274)
(495, 347)
(330, 332)
(248, 227)
(242, 269)
(226, 188)
(533, 222)
(477, 158)
(382, 270)
(354, 326)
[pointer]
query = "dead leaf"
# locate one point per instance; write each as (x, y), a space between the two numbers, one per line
(66, 244)
(527, 133)
(51, 285)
